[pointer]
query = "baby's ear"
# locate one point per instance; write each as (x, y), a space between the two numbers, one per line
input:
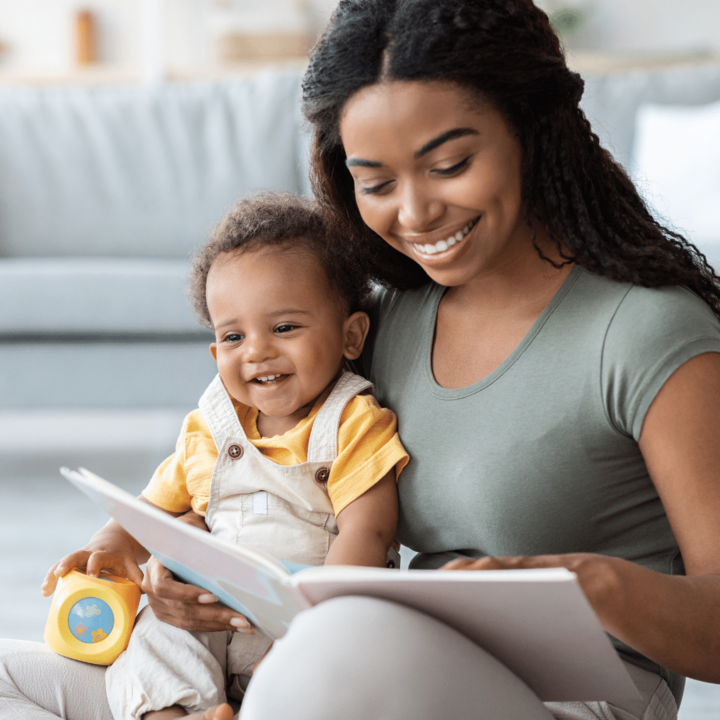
(213, 351)
(356, 329)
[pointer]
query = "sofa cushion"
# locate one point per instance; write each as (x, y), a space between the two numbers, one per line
(82, 296)
(143, 171)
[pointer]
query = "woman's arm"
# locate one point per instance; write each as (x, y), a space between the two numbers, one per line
(367, 526)
(673, 620)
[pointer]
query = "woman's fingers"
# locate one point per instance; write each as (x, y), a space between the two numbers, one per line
(519, 562)
(187, 606)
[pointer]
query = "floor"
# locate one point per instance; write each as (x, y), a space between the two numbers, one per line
(46, 517)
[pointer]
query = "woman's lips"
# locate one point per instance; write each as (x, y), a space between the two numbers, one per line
(442, 246)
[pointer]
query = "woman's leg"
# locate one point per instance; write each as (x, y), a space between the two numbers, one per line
(357, 658)
(37, 684)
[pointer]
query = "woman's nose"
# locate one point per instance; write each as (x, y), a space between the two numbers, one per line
(418, 207)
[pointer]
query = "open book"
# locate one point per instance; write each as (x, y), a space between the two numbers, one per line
(537, 622)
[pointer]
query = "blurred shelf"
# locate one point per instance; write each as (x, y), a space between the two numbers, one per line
(589, 63)
(586, 63)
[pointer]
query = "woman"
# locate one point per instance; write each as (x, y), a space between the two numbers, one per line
(557, 382)
(553, 355)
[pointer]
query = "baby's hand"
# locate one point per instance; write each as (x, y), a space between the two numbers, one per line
(106, 551)
(192, 518)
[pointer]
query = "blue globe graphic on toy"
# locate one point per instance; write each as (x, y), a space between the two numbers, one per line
(91, 620)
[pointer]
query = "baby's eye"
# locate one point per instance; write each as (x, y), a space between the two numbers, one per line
(453, 169)
(233, 338)
(285, 328)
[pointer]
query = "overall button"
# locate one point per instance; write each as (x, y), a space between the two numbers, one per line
(322, 475)
(235, 452)
(390, 564)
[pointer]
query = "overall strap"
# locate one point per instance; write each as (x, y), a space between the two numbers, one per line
(323, 437)
(219, 413)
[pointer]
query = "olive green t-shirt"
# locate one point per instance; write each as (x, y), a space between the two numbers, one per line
(541, 456)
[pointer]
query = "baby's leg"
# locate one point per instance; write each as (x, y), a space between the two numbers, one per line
(167, 669)
(218, 712)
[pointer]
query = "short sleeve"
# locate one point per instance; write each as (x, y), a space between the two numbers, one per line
(653, 332)
(182, 481)
(368, 449)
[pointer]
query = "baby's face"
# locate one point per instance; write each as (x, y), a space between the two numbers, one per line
(280, 335)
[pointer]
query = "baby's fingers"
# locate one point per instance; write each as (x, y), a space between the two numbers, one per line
(48, 584)
(74, 560)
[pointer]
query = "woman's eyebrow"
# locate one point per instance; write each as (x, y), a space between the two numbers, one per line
(359, 162)
(424, 150)
(443, 138)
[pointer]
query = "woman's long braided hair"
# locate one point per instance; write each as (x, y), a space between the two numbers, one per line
(504, 52)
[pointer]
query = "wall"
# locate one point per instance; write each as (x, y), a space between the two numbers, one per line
(40, 33)
(646, 26)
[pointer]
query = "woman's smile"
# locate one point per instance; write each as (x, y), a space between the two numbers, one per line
(425, 247)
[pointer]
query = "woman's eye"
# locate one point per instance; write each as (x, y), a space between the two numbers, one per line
(373, 189)
(285, 328)
(453, 169)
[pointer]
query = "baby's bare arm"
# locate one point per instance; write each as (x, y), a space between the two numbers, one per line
(194, 519)
(367, 526)
(111, 548)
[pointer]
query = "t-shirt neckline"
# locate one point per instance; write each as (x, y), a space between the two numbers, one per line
(444, 393)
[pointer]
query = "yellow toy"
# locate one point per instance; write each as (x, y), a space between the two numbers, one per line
(91, 618)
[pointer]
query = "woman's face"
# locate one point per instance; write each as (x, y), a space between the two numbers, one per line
(437, 176)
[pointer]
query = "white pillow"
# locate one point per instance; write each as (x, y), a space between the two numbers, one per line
(676, 165)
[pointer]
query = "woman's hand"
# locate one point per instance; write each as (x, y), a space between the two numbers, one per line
(600, 577)
(187, 606)
(110, 549)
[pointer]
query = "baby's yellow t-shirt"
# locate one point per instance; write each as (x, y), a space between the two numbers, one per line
(368, 449)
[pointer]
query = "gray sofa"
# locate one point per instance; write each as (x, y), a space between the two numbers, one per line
(104, 192)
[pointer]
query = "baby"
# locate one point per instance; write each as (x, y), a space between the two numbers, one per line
(288, 452)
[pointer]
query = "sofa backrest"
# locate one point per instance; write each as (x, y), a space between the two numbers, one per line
(141, 171)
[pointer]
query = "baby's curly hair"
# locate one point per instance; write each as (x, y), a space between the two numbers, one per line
(285, 222)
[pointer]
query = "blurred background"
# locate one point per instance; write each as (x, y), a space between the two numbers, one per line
(128, 127)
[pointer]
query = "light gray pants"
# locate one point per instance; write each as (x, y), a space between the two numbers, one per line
(347, 659)
(358, 658)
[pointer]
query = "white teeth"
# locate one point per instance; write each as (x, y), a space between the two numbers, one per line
(267, 378)
(443, 245)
